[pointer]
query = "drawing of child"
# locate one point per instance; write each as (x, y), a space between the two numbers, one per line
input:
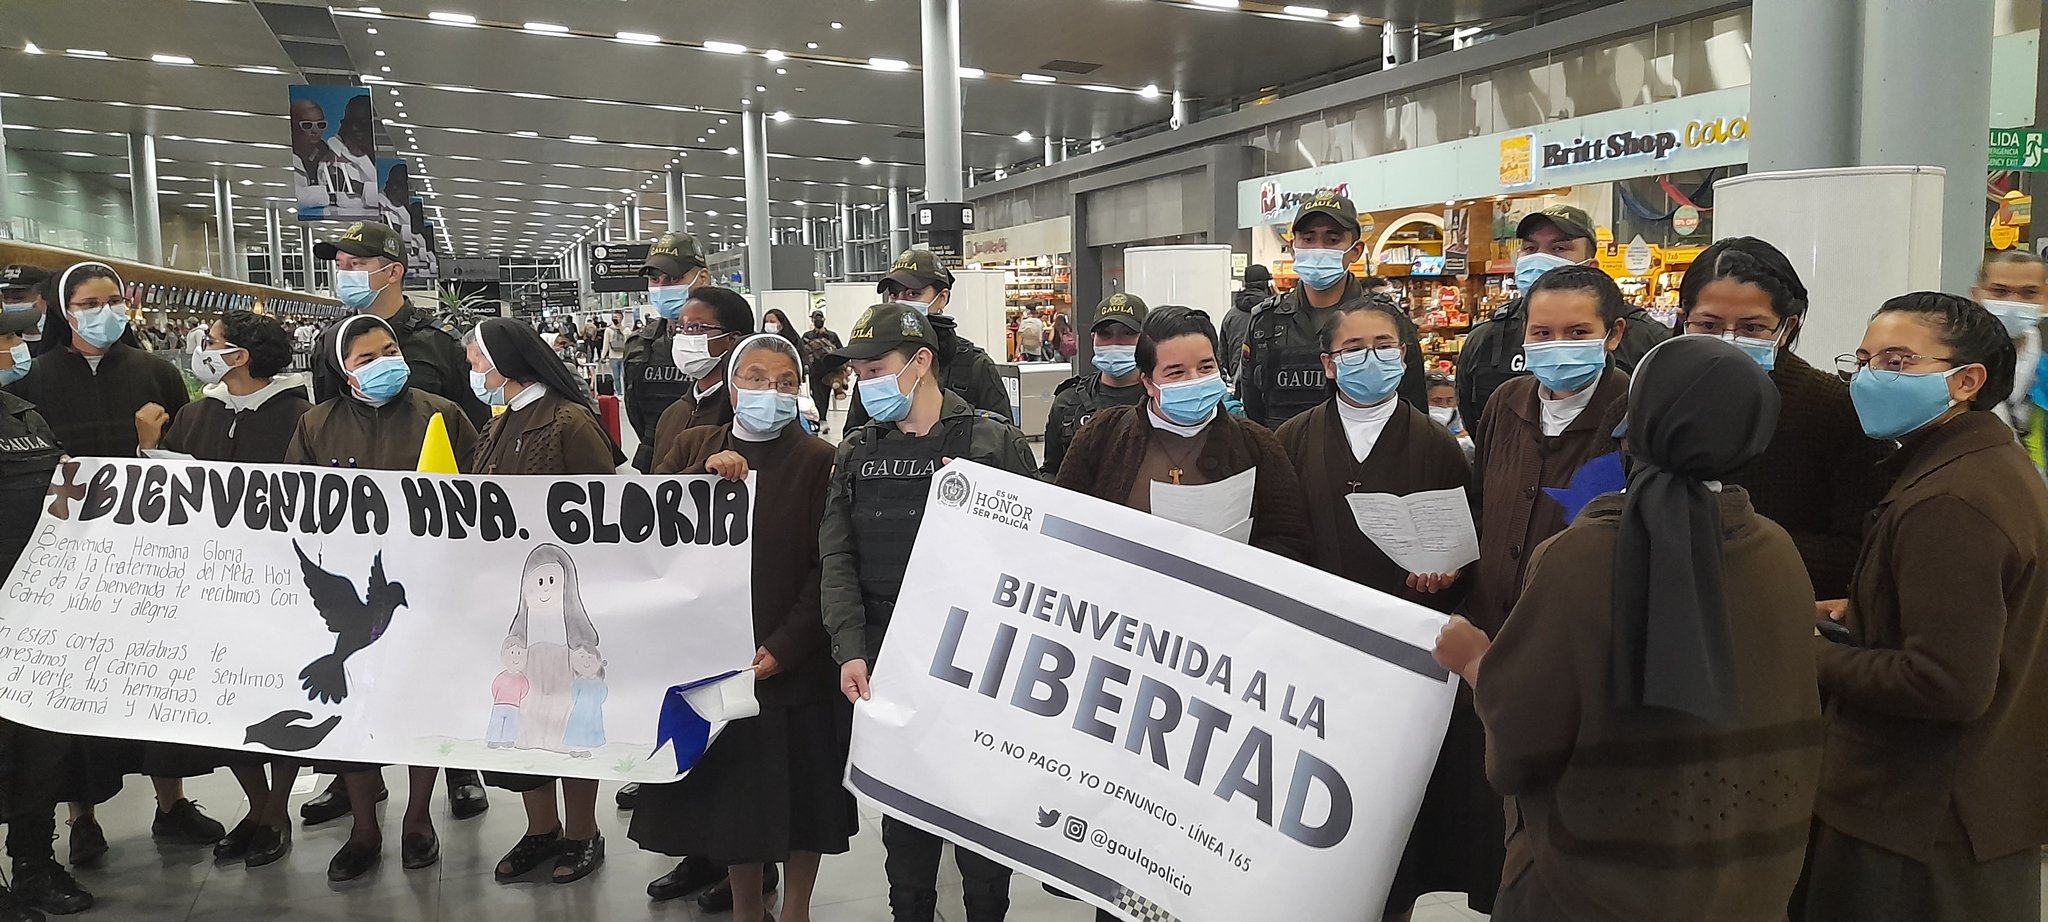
(552, 621)
(586, 716)
(507, 690)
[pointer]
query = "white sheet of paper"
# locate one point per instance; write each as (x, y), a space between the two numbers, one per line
(1216, 508)
(1240, 533)
(1427, 532)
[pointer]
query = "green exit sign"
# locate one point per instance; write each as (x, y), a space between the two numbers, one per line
(2018, 149)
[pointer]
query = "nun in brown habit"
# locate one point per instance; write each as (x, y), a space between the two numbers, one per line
(1651, 706)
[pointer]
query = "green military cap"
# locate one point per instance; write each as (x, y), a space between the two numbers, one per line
(1338, 207)
(1126, 309)
(1574, 222)
(916, 269)
(883, 328)
(673, 255)
(365, 238)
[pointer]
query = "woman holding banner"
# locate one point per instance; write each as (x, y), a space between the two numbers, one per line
(770, 789)
(1651, 704)
(547, 428)
(249, 414)
(1364, 439)
(378, 423)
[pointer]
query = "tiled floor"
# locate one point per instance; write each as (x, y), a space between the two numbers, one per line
(144, 883)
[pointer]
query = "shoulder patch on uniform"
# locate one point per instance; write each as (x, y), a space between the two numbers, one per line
(1070, 384)
(991, 414)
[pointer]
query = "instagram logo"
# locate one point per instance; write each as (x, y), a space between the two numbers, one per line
(1075, 828)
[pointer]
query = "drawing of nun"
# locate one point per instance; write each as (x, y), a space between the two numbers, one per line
(552, 621)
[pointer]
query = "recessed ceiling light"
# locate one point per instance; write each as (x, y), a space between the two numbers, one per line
(1308, 11)
(372, 30)
(760, 89)
(399, 104)
(811, 45)
(1024, 136)
(839, 25)
(864, 161)
(1150, 91)
(548, 28)
(773, 54)
(527, 134)
(85, 52)
(972, 72)
(458, 19)
(729, 151)
(1037, 78)
(888, 64)
(782, 71)
(386, 68)
(172, 58)
(638, 38)
(725, 47)
(702, 141)
(780, 116)
(380, 52)
(1351, 22)
(1218, 4)
(30, 48)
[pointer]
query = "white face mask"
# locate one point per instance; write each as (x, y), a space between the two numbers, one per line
(772, 327)
(692, 354)
(1442, 415)
(211, 365)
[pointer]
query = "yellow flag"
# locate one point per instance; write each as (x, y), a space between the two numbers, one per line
(436, 455)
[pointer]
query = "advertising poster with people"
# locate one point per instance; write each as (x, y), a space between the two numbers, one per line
(334, 168)
(520, 624)
(404, 210)
(1164, 722)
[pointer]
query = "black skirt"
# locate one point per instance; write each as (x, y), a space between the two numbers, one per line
(768, 786)
(1458, 843)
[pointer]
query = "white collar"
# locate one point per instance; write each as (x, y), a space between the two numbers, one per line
(701, 394)
(1558, 414)
(1363, 425)
(525, 398)
(744, 434)
(278, 385)
(1187, 432)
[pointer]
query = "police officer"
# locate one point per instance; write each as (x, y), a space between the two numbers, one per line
(880, 476)
(21, 292)
(1282, 368)
(653, 382)
(917, 280)
(369, 277)
(1492, 354)
(1115, 383)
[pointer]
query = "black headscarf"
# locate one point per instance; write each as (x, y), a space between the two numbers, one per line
(330, 378)
(517, 351)
(1698, 410)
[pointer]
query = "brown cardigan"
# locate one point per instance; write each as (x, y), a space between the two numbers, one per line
(1513, 462)
(791, 474)
(548, 436)
(1104, 459)
(1634, 814)
(1938, 715)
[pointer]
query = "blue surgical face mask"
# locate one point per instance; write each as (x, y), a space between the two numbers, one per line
(1530, 266)
(764, 412)
(21, 361)
(102, 325)
(352, 288)
(1568, 364)
(1763, 351)
(382, 380)
(1365, 379)
(2018, 316)
(1115, 361)
(884, 398)
(1893, 405)
(492, 396)
(1190, 402)
(668, 300)
(1320, 269)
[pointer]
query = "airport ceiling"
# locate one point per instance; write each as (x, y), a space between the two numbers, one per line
(523, 120)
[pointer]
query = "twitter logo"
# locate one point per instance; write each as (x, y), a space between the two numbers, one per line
(1047, 817)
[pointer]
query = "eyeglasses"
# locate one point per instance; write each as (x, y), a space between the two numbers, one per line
(1388, 354)
(786, 385)
(97, 304)
(1891, 361)
(1748, 329)
(693, 328)
(320, 125)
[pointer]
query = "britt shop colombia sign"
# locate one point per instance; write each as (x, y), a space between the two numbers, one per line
(1519, 167)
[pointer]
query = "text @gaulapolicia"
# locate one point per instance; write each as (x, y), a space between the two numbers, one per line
(311, 501)
(1147, 716)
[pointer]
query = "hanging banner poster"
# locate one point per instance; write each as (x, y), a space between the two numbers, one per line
(334, 170)
(1166, 723)
(523, 624)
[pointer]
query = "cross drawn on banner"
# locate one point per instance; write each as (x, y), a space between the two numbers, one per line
(66, 490)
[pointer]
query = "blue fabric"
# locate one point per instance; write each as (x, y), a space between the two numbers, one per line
(681, 725)
(1594, 479)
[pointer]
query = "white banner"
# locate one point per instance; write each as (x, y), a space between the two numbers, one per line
(1166, 723)
(527, 624)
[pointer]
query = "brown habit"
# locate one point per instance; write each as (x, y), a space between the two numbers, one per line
(688, 413)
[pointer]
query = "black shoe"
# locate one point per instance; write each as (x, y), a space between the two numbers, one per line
(579, 858)
(183, 824)
(628, 795)
(235, 844)
(418, 850)
(690, 876)
(466, 797)
(88, 843)
(719, 897)
(267, 845)
(331, 804)
(530, 853)
(45, 885)
(14, 910)
(354, 860)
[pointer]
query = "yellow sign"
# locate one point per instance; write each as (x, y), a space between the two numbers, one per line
(2003, 236)
(1517, 160)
